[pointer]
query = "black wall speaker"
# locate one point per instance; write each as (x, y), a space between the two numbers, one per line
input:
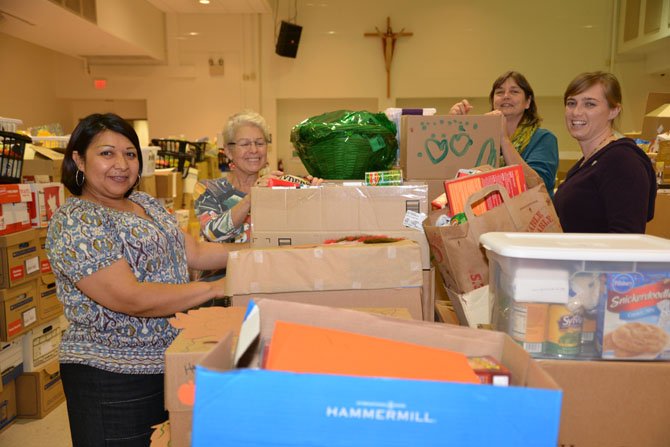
(288, 39)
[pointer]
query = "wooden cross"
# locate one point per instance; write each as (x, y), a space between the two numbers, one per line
(388, 46)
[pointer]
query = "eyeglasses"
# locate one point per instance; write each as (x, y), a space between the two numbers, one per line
(246, 144)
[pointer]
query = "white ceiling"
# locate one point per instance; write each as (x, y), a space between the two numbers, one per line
(44, 23)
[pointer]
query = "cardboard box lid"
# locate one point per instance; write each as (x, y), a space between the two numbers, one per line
(8, 240)
(327, 410)
(33, 152)
(201, 330)
(324, 267)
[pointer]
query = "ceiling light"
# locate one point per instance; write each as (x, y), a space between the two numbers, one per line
(204, 2)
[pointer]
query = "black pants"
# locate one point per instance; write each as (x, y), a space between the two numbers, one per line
(112, 410)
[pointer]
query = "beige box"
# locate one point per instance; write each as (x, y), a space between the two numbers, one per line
(45, 265)
(19, 258)
(40, 345)
(7, 404)
(39, 393)
(324, 267)
(18, 310)
(612, 403)
(42, 161)
(48, 305)
(166, 184)
(385, 301)
(436, 147)
(148, 185)
(201, 330)
(289, 216)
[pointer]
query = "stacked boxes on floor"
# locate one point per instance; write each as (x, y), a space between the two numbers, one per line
(335, 210)
(29, 309)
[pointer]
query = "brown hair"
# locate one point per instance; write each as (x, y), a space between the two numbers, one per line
(530, 115)
(587, 80)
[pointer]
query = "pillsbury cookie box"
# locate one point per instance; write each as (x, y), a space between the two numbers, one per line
(583, 296)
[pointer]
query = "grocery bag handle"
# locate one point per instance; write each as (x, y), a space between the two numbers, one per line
(482, 194)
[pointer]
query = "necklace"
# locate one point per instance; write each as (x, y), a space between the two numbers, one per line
(604, 142)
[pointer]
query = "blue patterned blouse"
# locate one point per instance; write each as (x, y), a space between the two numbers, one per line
(84, 237)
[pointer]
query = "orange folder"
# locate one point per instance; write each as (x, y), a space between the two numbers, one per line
(310, 349)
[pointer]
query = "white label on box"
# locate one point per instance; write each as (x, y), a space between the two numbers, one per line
(32, 265)
(414, 220)
(541, 285)
(29, 317)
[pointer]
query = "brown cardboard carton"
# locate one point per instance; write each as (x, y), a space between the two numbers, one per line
(40, 345)
(166, 184)
(42, 161)
(436, 147)
(285, 216)
(148, 185)
(48, 305)
(656, 114)
(404, 299)
(45, 266)
(19, 258)
(660, 224)
(201, 330)
(7, 404)
(18, 310)
(623, 404)
(324, 267)
(38, 393)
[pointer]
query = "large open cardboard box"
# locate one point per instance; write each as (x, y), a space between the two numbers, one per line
(605, 403)
(246, 406)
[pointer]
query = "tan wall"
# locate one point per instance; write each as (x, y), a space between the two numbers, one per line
(457, 49)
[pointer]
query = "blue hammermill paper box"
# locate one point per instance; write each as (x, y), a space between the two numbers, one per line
(256, 407)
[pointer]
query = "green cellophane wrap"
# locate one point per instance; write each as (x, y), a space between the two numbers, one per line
(344, 145)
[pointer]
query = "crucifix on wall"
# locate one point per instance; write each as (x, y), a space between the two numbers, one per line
(388, 46)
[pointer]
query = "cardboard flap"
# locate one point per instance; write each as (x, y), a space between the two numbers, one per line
(45, 152)
(48, 280)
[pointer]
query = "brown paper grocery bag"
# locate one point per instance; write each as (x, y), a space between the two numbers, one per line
(455, 249)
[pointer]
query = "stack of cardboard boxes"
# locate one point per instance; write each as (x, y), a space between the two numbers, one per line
(30, 324)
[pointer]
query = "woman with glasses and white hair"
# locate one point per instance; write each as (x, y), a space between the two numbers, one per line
(223, 208)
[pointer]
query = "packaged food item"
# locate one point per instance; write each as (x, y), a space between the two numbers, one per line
(383, 178)
(490, 371)
(564, 332)
(458, 219)
(634, 316)
(528, 326)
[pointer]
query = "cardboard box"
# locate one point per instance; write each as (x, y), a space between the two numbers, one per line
(409, 299)
(473, 308)
(324, 267)
(289, 216)
(240, 406)
(42, 161)
(660, 224)
(612, 403)
(7, 405)
(48, 305)
(40, 345)
(46, 198)
(19, 258)
(11, 359)
(14, 213)
(166, 183)
(436, 147)
(39, 392)
(148, 185)
(201, 330)
(18, 310)
(428, 295)
(45, 265)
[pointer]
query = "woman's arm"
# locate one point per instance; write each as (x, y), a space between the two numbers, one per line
(116, 287)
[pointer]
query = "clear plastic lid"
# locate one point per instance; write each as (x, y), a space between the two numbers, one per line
(579, 246)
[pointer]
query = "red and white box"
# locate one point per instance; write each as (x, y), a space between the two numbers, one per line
(14, 203)
(46, 198)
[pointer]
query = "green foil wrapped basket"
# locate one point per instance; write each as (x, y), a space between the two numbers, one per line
(344, 145)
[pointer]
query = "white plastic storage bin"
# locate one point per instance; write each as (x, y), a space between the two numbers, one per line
(582, 295)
